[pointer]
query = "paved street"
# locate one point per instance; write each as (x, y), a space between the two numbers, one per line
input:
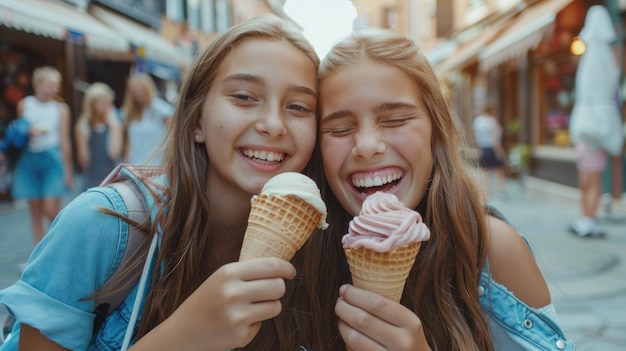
(587, 277)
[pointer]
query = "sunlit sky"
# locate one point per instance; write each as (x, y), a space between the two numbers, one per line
(324, 21)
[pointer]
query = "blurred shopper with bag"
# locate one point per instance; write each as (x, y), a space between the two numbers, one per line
(596, 123)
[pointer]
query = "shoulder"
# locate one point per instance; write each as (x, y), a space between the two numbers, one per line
(90, 207)
(21, 102)
(513, 265)
(65, 110)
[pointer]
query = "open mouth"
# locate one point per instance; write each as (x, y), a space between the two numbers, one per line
(263, 156)
(371, 184)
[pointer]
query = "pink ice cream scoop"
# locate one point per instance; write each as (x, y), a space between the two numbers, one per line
(384, 224)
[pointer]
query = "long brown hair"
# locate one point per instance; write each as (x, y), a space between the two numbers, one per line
(442, 288)
(187, 236)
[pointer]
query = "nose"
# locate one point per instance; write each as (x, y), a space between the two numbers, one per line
(271, 121)
(368, 142)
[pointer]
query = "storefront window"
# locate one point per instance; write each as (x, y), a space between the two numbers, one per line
(559, 76)
(14, 82)
(555, 68)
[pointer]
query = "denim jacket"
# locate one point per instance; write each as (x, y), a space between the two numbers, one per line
(53, 300)
(513, 324)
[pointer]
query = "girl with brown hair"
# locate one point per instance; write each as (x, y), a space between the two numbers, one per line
(247, 112)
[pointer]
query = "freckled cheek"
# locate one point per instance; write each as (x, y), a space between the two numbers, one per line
(303, 133)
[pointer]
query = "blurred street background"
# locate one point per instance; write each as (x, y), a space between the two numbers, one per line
(521, 56)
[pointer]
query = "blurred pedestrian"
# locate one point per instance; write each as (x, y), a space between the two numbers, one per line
(43, 172)
(595, 125)
(146, 117)
(487, 134)
(98, 134)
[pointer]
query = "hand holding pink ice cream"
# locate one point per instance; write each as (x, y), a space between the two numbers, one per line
(382, 244)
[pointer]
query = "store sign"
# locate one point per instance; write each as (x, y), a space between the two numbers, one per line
(81, 4)
(145, 11)
(75, 37)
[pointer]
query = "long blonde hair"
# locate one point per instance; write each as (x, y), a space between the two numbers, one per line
(94, 92)
(442, 288)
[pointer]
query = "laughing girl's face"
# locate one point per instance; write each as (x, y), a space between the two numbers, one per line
(375, 135)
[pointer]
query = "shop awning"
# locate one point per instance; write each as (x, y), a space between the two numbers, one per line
(524, 34)
(55, 19)
(156, 50)
(467, 52)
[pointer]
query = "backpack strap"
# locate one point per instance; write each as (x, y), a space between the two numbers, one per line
(137, 211)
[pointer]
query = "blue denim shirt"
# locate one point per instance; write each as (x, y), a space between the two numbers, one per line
(51, 299)
(83, 247)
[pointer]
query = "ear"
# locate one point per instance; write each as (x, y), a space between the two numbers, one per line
(198, 136)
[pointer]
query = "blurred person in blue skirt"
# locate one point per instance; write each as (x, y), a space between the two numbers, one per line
(43, 173)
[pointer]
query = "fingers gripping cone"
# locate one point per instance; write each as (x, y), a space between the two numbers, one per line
(384, 273)
(278, 226)
(282, 217)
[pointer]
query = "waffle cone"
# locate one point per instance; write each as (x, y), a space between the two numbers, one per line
(382, 272)
(278, 226)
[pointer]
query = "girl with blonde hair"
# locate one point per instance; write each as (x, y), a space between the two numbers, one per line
(43, 173)
(98, 134)
(385, 126)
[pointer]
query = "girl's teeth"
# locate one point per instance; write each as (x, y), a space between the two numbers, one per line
(376, 181)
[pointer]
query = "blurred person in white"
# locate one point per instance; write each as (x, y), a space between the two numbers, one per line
(146, 117)
(43, 173)
(487, 134)
(596, 123)
(98, 134)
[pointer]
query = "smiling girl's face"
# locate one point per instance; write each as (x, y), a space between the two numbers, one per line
(259, 118)
(375, 135)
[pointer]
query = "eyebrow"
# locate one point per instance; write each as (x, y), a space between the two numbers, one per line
(388, 106)
(385, 106)
(251, 78)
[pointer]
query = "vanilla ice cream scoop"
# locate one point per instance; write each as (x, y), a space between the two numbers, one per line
(299, 185)
(283, 217)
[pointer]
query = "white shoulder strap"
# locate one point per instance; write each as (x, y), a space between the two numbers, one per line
(135, 204)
